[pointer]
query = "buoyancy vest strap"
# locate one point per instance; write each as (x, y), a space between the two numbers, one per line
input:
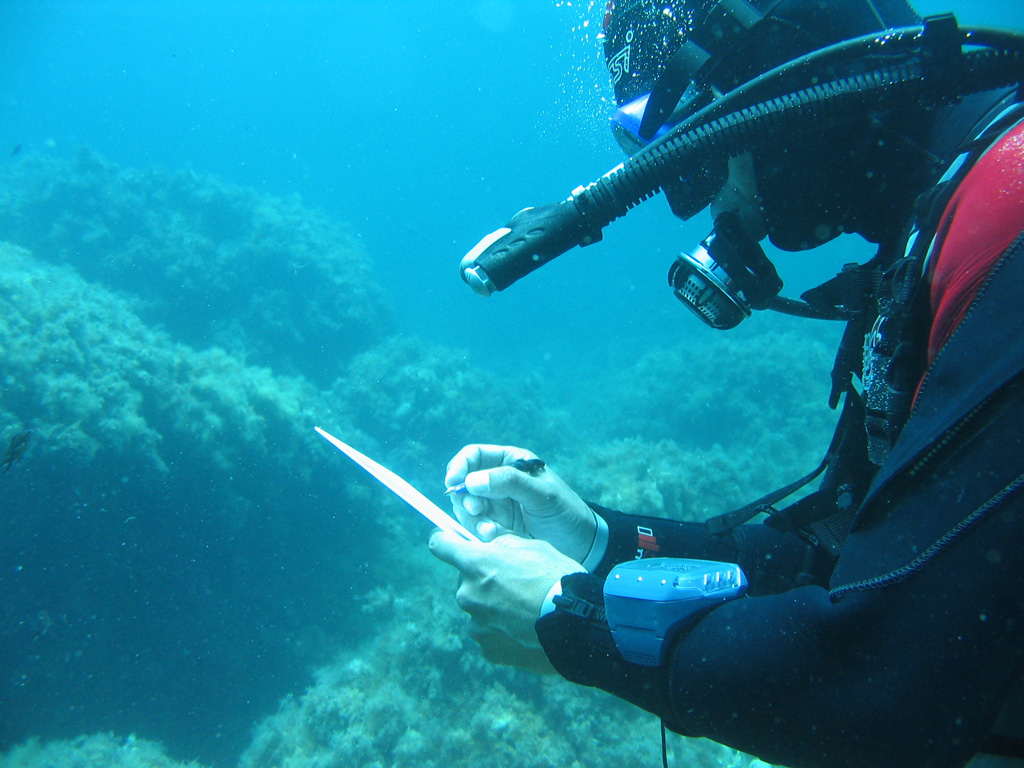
(721, 524)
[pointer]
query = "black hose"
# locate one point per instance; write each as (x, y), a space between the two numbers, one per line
(827, 104)
(914, 65)
(897, 45)
(798, 308)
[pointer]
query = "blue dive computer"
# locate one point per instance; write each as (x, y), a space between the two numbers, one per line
(645, 601)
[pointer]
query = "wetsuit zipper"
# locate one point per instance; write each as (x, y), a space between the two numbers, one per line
(899, 574)
(904, 572)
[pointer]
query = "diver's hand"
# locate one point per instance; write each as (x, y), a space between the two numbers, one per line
(499, 498)
(502, 587)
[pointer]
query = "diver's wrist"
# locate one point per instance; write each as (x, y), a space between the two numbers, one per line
(549, 602)
(598, 546)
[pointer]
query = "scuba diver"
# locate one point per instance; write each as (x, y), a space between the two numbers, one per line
(879, 620)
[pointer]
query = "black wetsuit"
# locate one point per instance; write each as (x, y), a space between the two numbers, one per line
(905, 653)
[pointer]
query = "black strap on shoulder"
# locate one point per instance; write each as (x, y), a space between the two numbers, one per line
(819, 519)
(722, 524)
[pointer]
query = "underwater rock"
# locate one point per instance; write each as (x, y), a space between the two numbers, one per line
(101, 750)
(176, 520)
(663, 478)
(424, 402)
(746, 411)
(213, 263)
(90, 377)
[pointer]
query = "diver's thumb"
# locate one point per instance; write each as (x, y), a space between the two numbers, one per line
(452, 549)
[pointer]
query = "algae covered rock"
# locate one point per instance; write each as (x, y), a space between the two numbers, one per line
(214, 263)
(88, 377)
(422, 402)
(101, 750)
(175, 535)
(663, 478)
(711, 422)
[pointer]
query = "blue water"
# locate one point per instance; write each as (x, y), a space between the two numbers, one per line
(422, 126)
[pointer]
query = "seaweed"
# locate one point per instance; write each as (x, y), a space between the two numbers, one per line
(216, 264)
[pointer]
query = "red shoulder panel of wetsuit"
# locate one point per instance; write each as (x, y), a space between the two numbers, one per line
(984, 217)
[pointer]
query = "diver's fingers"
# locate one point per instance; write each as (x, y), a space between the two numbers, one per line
(510, 483)
(466, 506)
(498, 520)
(481, 456)
(475, 511)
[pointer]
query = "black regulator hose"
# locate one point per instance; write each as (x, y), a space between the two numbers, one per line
(535, 236)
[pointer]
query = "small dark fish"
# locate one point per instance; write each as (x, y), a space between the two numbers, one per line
(19, 443)
(15, 149)
(529, 466)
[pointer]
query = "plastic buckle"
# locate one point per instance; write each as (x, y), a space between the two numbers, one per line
(577, 606)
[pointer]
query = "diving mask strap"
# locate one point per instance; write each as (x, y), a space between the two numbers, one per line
(681, 70)
(692, 63)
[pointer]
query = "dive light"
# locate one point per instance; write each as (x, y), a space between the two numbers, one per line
(531, 239)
